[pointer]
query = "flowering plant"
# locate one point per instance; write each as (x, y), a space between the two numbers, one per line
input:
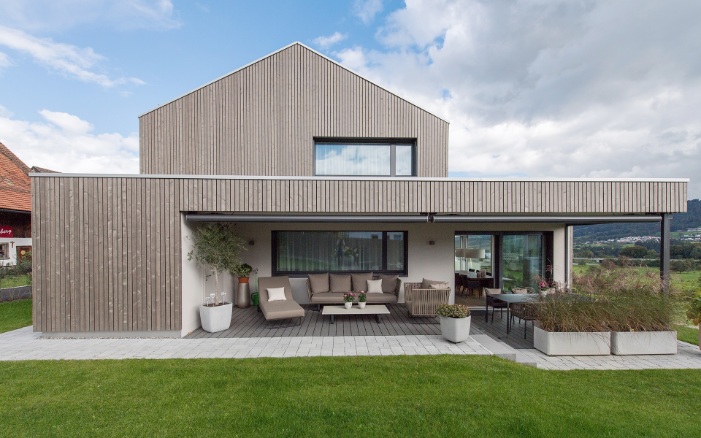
(349, 297)
(362, 296)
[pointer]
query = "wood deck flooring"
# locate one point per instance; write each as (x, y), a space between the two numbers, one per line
(248, 323)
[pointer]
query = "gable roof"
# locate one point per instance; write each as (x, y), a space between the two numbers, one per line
(279, 51)
(15, 186)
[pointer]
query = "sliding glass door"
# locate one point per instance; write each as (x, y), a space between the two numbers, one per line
(522, 260)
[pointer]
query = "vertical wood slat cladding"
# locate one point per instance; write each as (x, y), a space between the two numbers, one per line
(262, 119)
(107, 249)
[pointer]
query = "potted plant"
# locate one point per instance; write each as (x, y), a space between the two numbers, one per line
(572, 324)
(362, 299)
(455, 321)
(694, 314)
(216, 246)
(242, 272)
(348, 299)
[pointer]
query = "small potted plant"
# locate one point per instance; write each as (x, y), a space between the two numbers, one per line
(242, 271)
(362, 299)
(455, 321)
(694, 314)
(348, 299)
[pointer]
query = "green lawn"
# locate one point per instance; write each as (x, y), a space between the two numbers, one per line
(15, 314)
(687, 334)
(356, 396)
(15, 280)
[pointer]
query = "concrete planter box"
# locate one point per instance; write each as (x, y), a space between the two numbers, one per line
(572, 343)
(628, 343)
(455, 329)
(217, 318)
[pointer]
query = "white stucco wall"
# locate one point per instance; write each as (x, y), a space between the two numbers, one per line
(12, 244)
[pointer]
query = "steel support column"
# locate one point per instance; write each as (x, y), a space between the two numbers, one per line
(664, 251)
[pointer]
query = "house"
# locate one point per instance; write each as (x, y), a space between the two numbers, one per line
(15, 208)
(319, 169)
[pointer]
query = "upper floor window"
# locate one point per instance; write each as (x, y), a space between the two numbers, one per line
(364, 158)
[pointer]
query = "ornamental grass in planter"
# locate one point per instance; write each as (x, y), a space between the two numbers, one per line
(455, 321)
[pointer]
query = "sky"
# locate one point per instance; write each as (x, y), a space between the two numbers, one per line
(532, 89)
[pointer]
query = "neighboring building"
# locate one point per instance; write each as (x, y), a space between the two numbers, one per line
(15, 208)
(321, 170)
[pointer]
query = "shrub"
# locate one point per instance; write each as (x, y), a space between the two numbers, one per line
(453, 311)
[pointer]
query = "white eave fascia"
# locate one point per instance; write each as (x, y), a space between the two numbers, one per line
(348, 178)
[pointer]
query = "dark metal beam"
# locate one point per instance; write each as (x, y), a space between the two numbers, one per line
(665, 234)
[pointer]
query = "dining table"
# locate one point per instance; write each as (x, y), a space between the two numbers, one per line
(509, 299)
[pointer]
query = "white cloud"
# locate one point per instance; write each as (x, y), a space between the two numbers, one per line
(76, 62)
(4, 60)
(52, 15)
(66, 143)
(366, 10)
(550, 89)
(327, 41)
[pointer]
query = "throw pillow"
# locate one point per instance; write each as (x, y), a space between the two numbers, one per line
(439, 286)
(426, 284)
(389, 283)
(374, 286)
(360, 281)
(340, 282)
(319, 283)
(276, 294)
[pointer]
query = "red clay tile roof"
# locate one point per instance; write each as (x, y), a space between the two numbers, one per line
(15, 188)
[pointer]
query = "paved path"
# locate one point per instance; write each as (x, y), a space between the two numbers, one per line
(23, 344)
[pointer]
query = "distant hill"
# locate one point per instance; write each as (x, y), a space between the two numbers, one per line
(680, 222)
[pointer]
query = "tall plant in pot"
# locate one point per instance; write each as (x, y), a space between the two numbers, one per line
(218, 247)
(242, 271)
(455, 321)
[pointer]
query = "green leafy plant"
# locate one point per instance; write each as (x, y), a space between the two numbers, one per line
(242, 270)
(362, 296)
(349, 297)
(453, 311)
(217, 246)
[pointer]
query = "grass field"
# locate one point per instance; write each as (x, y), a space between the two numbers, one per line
(15, 314)
(15, 280)
(353, 396)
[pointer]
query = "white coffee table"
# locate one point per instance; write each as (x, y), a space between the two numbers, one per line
(370, 309)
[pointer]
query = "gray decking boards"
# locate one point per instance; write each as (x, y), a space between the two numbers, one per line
(248, 323)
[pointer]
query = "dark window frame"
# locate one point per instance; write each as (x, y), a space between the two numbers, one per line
(298, 274)
(370, 142)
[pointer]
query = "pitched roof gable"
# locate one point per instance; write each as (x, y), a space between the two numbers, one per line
(15, 186)
(294, 45)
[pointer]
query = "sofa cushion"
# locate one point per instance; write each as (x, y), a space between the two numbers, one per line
(426, 284)
(327, 298)
(360, 281)
(375, 286)
(319, 283)
(389, 283)
(441, 285)
(340, 283)
(281, 310)
(382, 299)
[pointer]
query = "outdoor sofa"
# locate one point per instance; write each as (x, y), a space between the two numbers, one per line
(328, 288)
(282, 305)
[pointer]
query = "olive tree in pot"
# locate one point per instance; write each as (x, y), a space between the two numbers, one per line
(455, 321)
(694, 314)
(216, 246)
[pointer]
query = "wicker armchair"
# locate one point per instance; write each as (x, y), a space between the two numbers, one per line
(526, 312)
(424, 301)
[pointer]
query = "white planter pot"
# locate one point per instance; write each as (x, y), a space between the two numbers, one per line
(627, 343)
(572, 343)
(348, 304)
(455, 329)
(362, 304)
(217, 318)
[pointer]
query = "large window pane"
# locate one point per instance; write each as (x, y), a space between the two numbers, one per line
(338, 251)
(405, 160)
(366, 159)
